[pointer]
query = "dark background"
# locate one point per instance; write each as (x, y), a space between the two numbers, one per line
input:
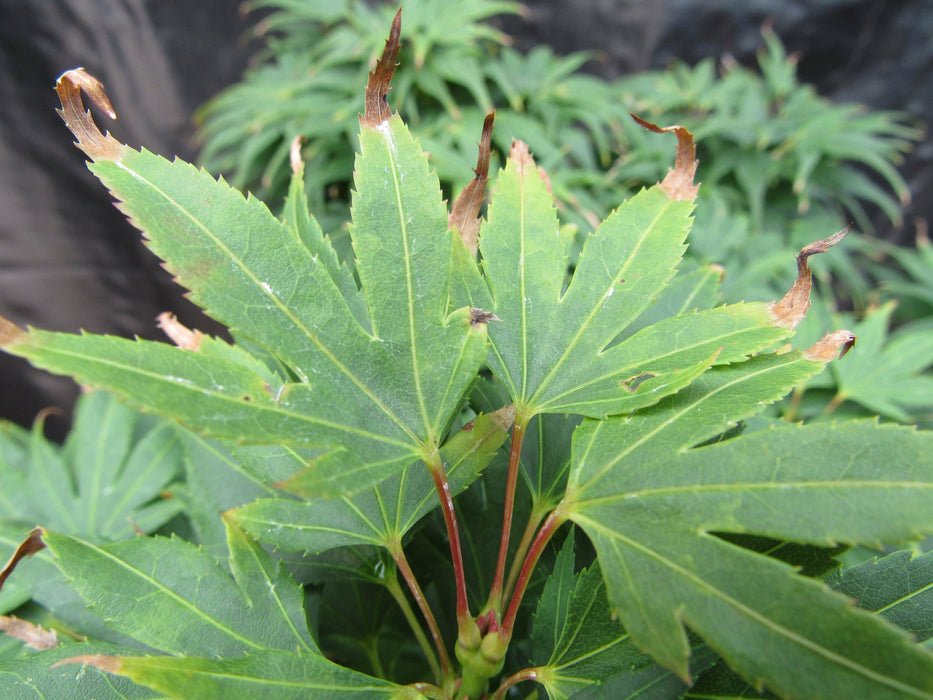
(68, 259)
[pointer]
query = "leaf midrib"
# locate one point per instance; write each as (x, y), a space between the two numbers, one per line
(754, 486)
(226, 397)
(284, 309)
(674, 419)
(754, 615)
(160, 588)
(535, 399)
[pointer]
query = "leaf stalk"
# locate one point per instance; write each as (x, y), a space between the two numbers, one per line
(401, 561)
(518, 437)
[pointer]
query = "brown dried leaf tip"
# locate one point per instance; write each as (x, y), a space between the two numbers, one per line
(377, 87)
(789, 311)
(96, 144)
(9, 332)
(464, 215)
(111, 664)
(179, 334)
(32, 544)
(33, 636)
(294, 154)
(679, 180)
(831, 344)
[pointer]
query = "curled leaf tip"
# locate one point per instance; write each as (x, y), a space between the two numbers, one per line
(111, 664)
(478, 316)
(90, 139)
(377, 108)
(179, 334)
(294, 154)
(831, 346)
(678, 183)
(32, 544)
(464, 215)
(790, 310)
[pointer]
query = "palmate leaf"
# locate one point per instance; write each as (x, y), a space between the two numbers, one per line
(889, 377)
(575, 640)
(553, 349)
(376, 392)
(651, 504)
(107, 481)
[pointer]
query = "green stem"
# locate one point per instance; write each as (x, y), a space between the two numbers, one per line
(528, 674)
(518, 437)
(554, 521)
(533, 521)
(401, 562)
(391, 583)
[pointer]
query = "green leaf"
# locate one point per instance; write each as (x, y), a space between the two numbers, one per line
(649, 683)
(107, 481)
(898, 586)
(176, 598)
(649, 503)
(885, 375)
(383, 515)
(278, 674)
(552, 349)
(35, 676)
(41, 580)
(574, 631)
(378, 395)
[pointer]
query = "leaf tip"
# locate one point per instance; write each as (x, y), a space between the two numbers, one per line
(294, 154)
(33, 636)
(110, 664)
(179, 334)
(10, 333)
(678, 183)
(32, 544)
(90, 139)
(790, 310)
(377, 108)
(464, 215)
(831, 346)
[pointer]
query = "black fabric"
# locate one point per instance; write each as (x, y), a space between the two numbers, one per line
(68, 259)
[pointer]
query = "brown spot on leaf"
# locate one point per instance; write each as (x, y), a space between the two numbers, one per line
(32, 544)
(478, 316)
(111, 664)
(33, 636)
(9, 332)
(464, 216)
(678, 183)
(829, 346)
(181, 335)
(377, 108)
(790, 310)
(90, 139)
